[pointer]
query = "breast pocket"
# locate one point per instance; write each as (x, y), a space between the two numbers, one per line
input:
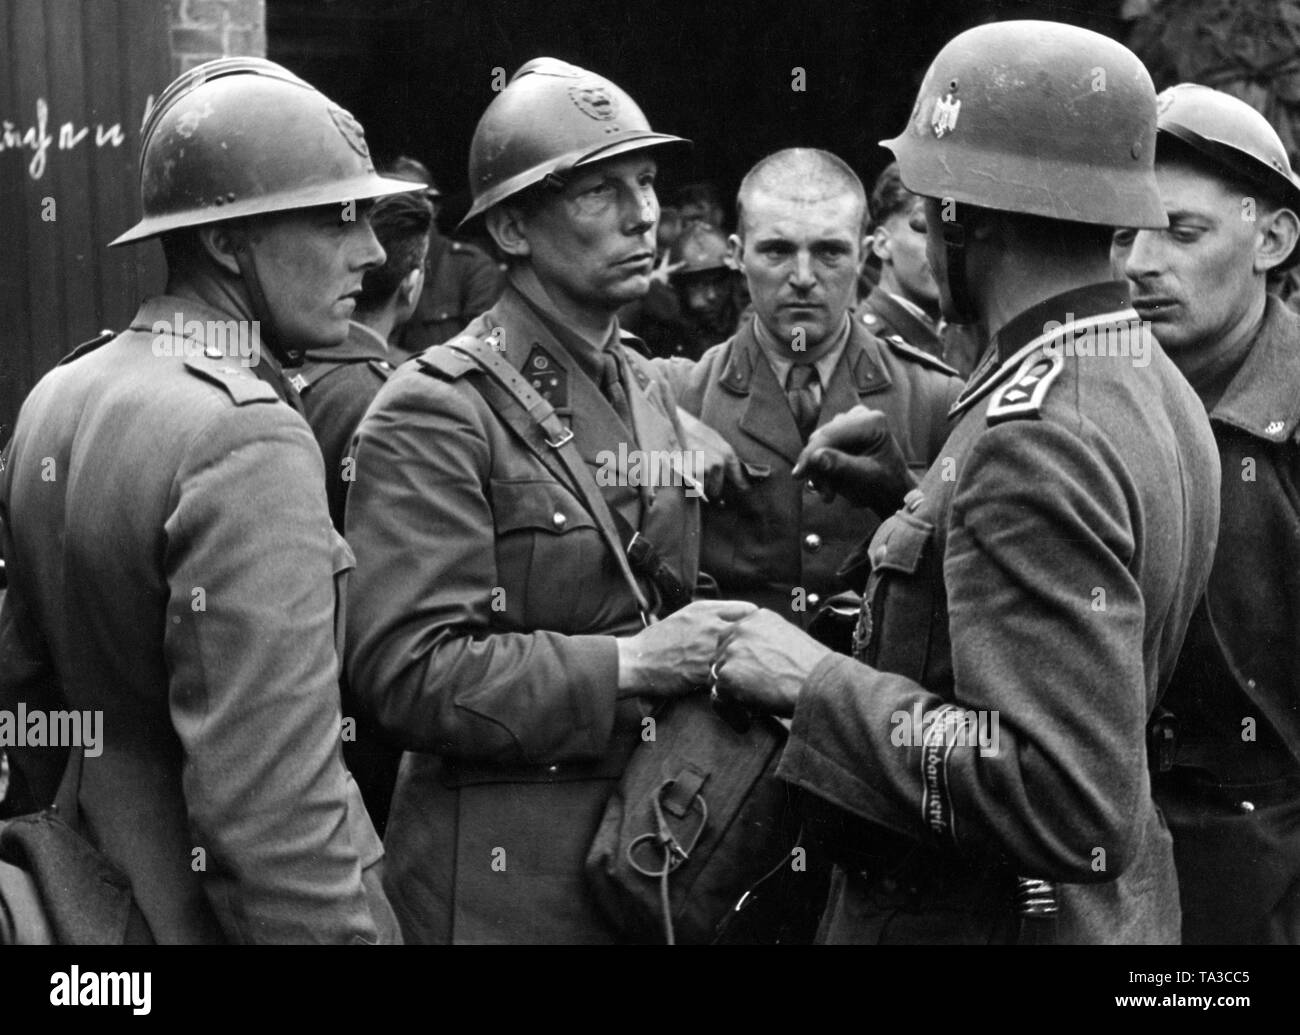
(896, 629)
(549, 551)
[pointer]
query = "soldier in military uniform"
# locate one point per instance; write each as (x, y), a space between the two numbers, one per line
(698, 307)
(169, 549)
(980, 771)
(489, 627)
(699, 203)
(1231, 789)
(799, 241)
(336, 384)
(460, 280)
(904, 304)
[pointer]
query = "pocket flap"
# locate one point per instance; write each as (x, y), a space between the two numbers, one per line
(899, 543)
(545, 506)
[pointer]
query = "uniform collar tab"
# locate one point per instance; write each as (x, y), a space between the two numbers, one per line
(863, 352)
(739, 371)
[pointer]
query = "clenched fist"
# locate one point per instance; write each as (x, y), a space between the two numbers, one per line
(673, 656)
(855, 455)
(763, 662)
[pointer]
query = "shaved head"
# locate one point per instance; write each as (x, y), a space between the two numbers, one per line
(800, 176)
(800, 230)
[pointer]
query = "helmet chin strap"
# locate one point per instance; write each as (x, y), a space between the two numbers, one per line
(959, 294)
(269, 334)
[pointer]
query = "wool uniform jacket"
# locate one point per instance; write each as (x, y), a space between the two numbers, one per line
(460, 282)
(171, 563)
(779, 544)
(481, 630)
(1252, 604)
(884, 316)
(1024, 612)
(1242, 661)
(336, 386)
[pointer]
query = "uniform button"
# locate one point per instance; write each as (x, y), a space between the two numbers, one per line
(552, 768)
(812, 542)
(558, 519)
(809, 487)
(1247, 806)
(813, 600)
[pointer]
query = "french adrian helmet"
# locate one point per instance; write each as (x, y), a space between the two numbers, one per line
(550, 118)
(240, 137)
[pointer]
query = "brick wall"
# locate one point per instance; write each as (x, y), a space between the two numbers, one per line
(205, 29)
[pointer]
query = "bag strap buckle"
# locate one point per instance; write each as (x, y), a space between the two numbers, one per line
(564, 438)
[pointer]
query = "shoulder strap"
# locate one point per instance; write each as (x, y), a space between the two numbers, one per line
(917, 355)
(537, 412)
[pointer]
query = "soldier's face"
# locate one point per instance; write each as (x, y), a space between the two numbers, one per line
(700, 212)
(902, 245)
(704, 295)
(593, 243)
(800, 257)
(310, 263)
(1195, 281)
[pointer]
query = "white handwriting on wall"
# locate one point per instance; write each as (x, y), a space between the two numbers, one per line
(37, 138)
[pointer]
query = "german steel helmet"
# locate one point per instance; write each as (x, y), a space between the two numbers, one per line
(1036, 117)
(243, 136)
(550, 118)
(1231, 134)
(699, 249)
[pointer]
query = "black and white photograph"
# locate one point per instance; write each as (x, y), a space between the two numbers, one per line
(554, 474)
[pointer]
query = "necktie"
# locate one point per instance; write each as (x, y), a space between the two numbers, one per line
(612, 387)
(799, 385)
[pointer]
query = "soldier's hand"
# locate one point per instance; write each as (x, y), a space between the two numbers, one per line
(855, 455)
(665, 269)
(673, 656)
(763, 662)
(721, 468)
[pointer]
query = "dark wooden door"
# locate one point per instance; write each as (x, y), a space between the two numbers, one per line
(75, 79)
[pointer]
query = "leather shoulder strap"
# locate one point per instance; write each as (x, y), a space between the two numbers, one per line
(539, 413)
